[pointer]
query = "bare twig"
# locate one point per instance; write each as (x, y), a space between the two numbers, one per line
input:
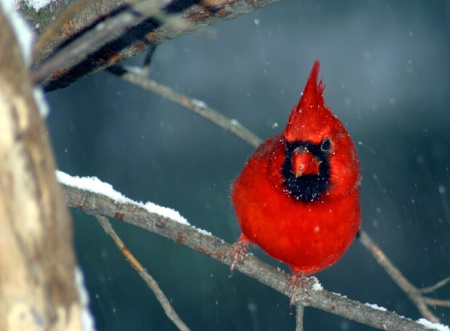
(436, 302)
(411, 291)
(435, 287)
(196, 106)
(133, 213)
(151, 282)
(299, 312)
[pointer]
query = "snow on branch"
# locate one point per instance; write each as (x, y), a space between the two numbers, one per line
(95, 185)
(97, 198)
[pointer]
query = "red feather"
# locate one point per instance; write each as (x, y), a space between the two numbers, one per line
(297, 196)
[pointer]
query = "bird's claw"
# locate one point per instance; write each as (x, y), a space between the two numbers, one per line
(294, 282)
(238, 251)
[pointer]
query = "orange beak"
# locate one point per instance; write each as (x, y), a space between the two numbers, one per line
(304, 163)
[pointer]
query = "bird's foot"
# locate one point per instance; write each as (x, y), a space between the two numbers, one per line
(238, 251)
(295, 280)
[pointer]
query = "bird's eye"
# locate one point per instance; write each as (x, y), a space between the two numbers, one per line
(326, 145)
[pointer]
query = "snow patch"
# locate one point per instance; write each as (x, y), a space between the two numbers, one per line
(207, 233)
(235, 122)
(433, 326)
(199, 103)
(339, 294)
(165, 212)
(134, 69)
(36, 4)
(93, 184)
(374, 306)
(317, 286)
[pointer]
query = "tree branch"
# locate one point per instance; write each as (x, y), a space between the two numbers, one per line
(116, 47)
(198, 107)
(149, 280)
(103, 33)
(133, 213)
(299, 313)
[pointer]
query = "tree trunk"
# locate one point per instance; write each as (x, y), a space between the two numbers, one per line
(37, 264)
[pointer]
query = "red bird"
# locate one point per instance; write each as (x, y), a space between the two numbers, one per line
(297, 196)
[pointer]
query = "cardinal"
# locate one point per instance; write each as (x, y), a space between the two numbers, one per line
(297, 196)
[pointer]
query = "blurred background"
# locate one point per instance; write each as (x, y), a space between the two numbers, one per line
(386, 69)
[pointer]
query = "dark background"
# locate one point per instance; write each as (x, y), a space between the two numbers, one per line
(385, 65)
